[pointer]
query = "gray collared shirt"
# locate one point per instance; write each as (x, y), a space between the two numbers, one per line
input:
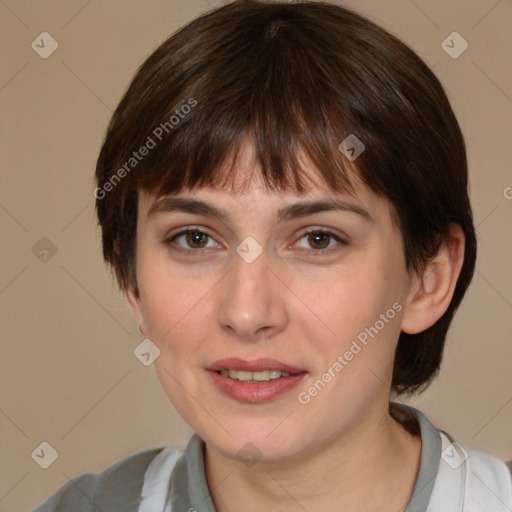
(118, 487)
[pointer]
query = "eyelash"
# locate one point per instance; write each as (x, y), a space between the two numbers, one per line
(315, 252)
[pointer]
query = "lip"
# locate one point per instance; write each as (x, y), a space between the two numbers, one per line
(254, 393)
(258, 365)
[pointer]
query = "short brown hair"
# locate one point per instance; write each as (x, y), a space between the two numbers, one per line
(293, 76)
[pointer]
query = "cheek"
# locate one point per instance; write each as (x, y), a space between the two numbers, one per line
(176, 302)
(172, 306)
(353, 300)
(178, 323)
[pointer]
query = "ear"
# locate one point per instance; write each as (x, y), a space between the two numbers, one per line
(134, 303)
(432, 291)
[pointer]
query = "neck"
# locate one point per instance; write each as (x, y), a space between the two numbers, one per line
(371, 467)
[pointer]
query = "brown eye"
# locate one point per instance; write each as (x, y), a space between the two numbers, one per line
(318, 240)
(196, 239)
(321, 243)
(190, 241)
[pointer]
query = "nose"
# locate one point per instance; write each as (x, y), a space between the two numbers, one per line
(252, 299)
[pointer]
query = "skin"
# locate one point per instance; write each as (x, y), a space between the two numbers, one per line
(289, 304)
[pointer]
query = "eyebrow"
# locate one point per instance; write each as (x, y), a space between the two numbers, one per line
(287, 213)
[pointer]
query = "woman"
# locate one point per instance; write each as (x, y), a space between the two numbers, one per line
(282, 193)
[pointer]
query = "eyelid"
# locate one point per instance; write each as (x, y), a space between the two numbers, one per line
(184, 229)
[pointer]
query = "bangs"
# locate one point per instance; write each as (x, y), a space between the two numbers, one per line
(284, 161)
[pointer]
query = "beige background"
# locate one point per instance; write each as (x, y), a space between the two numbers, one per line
(68, 375)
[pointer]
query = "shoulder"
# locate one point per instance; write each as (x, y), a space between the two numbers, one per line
(489, 481)
(489, 464)
(484, 459)
(486, 478)
(117, 487)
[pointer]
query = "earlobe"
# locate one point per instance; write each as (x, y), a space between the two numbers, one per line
(433, 290)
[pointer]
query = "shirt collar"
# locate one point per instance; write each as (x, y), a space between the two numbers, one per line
(429, 463)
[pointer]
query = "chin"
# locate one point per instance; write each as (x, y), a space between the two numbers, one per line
(251, 443)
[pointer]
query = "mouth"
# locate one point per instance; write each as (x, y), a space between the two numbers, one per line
(255, 381)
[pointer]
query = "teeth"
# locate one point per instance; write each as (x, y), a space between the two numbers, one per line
(261, 376)
(233, 374)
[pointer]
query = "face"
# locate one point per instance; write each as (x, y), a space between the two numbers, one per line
(319, 296)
